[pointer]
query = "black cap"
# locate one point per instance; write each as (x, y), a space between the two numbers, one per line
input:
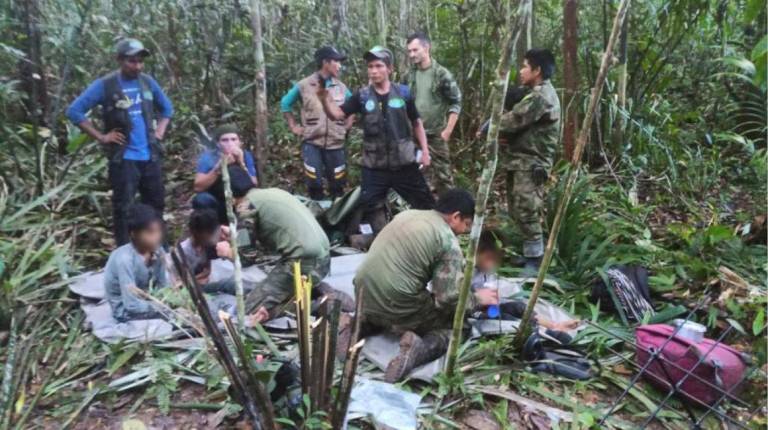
(379, 53)
(130, 47)
(329, 53)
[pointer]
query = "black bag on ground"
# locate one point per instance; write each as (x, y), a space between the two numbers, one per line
(549, 355)
(624, 291)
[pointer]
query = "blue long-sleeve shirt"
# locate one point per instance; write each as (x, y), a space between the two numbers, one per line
(294, 94)
(137, 147)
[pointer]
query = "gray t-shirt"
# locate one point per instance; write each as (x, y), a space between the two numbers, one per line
(197, 259)
(126, 268)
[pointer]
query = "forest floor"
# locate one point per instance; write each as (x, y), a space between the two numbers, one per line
(191, 394)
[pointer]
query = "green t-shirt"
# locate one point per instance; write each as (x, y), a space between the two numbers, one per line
(283, 224)
(436, 94)
(415, 248)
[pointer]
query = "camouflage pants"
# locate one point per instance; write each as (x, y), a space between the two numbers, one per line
(524, 202)
(278, 287)
(440, 173)
(430, 322)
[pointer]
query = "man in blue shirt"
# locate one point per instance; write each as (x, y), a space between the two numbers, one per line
(209, 185)
(323, 139)
(135, 114)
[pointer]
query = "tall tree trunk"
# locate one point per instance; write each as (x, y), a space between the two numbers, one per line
(381, 14)
(617, 136)
(486, 179)
(573, 173)
(403, 30)
(34, 81)
(260, 88)
(570, 73)
(339, 20)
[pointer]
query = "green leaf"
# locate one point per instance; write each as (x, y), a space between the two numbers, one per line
(759, 323)
(760, 60)
(121, 360)
(76, 142)
(737, 325)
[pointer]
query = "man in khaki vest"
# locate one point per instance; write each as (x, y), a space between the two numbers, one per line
(322, 147)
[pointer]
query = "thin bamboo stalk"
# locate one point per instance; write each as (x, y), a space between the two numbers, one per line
(486, 179)
(220, 344)
(573, 171)
(332, 331)
(317, 368)
(303, 329)
(260, 392)
(347, 380)
(230, 203)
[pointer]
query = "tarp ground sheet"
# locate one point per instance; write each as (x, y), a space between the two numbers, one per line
(378, 349)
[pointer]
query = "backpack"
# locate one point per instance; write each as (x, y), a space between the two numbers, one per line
(700, 372)
(624, 290)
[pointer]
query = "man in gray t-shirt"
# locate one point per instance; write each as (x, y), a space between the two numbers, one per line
(139, 263)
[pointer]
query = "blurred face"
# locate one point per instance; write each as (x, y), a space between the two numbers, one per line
(131, 66)
(150, 238)
(331, 68)
(378, 71)
(229, 142)
(529, 75)
(487, 261)
(205, 238)
(458, 223)
(417, 51)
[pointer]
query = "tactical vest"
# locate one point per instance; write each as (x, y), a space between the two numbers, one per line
(319, 130)
(387, 139)
(116, 118)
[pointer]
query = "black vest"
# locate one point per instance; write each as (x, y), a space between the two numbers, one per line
(116, 118)
(387, 136)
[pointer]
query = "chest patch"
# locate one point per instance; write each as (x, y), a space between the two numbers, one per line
(396, 103)
(370, 105)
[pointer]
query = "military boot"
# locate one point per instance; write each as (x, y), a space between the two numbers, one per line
(414, 351)
(532, 265)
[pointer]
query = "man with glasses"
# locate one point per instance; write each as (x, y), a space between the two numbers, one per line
(135, 115)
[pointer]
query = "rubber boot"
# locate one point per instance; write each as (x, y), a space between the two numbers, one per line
(414, 351)
(325, 289)
(532, 265)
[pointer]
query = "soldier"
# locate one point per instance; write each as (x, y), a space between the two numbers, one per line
(416, 248)
(438, 100)
(284, 226)
(323, 139)
(532, 131)
(390, 124)
(131, 101)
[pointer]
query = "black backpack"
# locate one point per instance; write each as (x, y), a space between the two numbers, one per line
(623, 290)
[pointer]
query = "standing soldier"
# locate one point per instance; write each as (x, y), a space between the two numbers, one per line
(438, 100)
(390, 124)
(132, 133)
(532, 131)
(322, 146)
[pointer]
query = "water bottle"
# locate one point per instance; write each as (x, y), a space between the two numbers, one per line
(493, 310)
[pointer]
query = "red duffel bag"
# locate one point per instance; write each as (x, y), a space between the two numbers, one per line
(719, 371)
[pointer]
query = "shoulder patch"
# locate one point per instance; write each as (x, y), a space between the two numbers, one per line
(396, 103)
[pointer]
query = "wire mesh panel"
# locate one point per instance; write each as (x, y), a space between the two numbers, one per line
(706, 376)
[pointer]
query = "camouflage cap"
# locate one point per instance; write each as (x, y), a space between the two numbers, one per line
(379, 53)
(130, 47)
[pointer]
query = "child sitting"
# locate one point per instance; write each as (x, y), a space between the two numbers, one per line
(487, 260)
(208, 240)
(137, 264)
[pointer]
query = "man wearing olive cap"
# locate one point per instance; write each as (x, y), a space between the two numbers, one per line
(391, 130)
(209, 184)
(323, 139)
(135, 115)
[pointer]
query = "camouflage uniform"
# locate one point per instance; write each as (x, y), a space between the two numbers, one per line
(415, 248)
(532, 129)
(436, 94)
(286, 227)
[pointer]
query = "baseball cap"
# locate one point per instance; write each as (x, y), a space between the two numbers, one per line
(130, 47)
(379, 53)
(329, 53)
